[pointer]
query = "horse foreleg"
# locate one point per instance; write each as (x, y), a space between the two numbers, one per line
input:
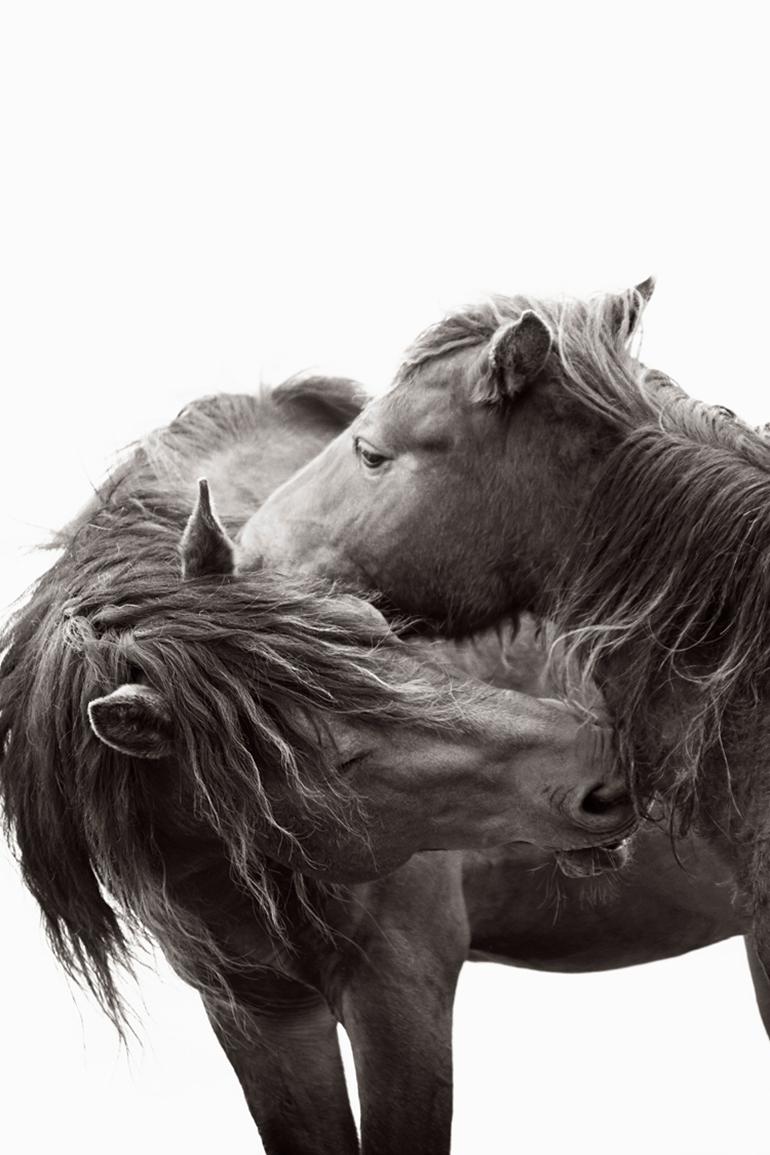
(289, 1066)
(760, 978)
(396, 1006)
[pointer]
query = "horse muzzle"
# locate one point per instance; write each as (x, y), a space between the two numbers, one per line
(596, 860)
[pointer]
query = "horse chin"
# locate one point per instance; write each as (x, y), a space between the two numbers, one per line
(594, 860)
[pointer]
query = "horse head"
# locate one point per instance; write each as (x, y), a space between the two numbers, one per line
(456, 492)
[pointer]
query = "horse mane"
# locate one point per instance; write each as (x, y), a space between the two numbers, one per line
(337, 399)
(167, 462)
(670, 575)
(464, 328)
(243, 663)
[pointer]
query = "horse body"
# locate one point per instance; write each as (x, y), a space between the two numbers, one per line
(195, 757)
(525, 914)
(401, 944)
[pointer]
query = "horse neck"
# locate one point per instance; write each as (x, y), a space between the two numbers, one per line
(555, 454)
(208, 925)
(664, 599)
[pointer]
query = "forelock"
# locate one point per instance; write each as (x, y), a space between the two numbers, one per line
(462, 329)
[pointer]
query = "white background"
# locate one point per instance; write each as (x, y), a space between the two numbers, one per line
(197, 196)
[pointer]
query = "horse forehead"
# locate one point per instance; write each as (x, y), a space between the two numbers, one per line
(427, 407)
(451, 374)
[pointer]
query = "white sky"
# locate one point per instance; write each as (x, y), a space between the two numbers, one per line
(198, 196)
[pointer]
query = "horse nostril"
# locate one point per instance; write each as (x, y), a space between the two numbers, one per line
(605, 797)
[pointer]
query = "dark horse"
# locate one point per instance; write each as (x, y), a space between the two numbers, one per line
(244, 767)
(524, 459)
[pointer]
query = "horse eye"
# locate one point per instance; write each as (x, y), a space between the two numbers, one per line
(349, 764)
(371, 459)
(368, 456)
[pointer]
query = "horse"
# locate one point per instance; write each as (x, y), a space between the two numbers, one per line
(245, 768)
(525, 460)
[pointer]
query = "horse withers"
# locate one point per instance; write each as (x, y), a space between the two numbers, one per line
(223, 761)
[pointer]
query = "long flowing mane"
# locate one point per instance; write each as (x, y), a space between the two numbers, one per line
(243, 662)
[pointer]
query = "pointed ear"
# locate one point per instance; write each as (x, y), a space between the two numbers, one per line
(517, 355)
(626, 309)
(645, 289)
(134, 719)
(205, 547)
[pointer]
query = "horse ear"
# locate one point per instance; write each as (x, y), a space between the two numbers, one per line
(517, 355)
(205, 547)
(645, 289)
(134, 719)
(626, 308)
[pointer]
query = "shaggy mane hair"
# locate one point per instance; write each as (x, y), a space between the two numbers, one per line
(669, 588)
(247, 664)
(337, 399)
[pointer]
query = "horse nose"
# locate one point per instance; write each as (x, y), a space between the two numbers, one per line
(604, 806)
